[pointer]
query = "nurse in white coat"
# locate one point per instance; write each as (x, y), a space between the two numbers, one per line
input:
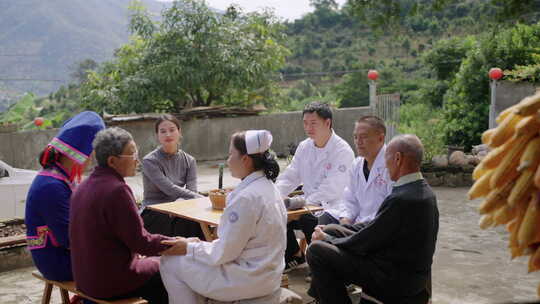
(369, 181)
(246, 260)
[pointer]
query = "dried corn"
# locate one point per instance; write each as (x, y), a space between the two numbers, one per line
(507, 169)
(529, 105)
(522, 189)
(531, 155)
(505, 130)
(481, 187)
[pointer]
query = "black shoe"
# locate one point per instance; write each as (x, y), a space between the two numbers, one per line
(295, 262)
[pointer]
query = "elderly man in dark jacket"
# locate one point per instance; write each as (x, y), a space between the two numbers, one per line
(391, 256)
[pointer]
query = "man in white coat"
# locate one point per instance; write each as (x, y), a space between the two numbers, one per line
(321, 164)
(369, 182)
(245, 262)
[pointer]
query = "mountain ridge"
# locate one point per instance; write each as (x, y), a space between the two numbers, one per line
(43, 39)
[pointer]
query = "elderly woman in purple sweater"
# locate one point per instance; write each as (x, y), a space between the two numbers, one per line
(107, 233)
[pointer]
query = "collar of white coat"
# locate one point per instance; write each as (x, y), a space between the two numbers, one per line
(377, 166)
(409, 178)
(244, 183)
(250, 178)
(379, 160)
(328, 143)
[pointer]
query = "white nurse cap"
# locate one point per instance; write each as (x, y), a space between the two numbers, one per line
(258, 141)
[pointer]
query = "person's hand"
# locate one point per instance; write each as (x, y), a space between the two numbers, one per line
(193, 240)
(345, 221)
(178, 246)
(318, 234)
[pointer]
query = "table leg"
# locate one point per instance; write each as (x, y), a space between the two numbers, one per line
(207, 233)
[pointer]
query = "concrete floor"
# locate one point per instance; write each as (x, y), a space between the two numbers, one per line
(470, 266)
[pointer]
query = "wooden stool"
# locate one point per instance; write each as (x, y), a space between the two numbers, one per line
(69, 286)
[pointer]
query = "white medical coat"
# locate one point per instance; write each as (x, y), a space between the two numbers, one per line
(362, 198)
(322, 171)
(247, 259)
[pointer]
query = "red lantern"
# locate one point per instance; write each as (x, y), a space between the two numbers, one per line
(38, 121)
(373, 75)
(495, 73)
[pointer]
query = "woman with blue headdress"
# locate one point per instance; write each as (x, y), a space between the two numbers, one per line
(47, 205)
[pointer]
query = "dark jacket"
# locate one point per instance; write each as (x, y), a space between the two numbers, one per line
(401, 240)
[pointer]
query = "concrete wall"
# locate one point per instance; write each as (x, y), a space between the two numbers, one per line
(205, 139)
(510, 93)
(21, 149)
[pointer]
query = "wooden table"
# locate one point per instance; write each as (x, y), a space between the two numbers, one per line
(200, 210)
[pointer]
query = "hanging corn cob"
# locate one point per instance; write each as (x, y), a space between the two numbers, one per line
(509, 179)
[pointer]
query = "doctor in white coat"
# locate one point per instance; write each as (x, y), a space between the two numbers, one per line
(369, 182)
(321, 164)
(246, 260)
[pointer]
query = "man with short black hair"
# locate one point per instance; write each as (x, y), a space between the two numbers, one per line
(321, 164)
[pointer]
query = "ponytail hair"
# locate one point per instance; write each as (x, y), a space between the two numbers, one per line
(48, 157)
(265, 161)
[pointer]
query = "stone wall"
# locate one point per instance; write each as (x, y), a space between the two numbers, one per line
(448, 178)
(21, 149)
(510, 93)
(205, 139)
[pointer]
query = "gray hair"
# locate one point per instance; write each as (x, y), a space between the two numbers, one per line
(110, 142)
(374, 122)
(410, 146)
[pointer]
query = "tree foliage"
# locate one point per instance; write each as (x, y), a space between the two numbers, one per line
(466, 103)
(193, 57)
(446, 56)
(81, 70)
(427, 123)
(393, 14)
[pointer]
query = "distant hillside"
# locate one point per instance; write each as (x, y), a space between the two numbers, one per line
(42, 39)
(330, 39)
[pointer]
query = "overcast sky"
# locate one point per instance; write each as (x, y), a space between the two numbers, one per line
(288, 9)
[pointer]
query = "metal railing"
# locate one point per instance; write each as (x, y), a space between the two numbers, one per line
(387, 108)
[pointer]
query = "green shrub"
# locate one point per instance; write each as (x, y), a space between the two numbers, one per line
(466, 103)
(426, 122)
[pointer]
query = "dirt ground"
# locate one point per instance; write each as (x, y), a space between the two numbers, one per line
(470, 265)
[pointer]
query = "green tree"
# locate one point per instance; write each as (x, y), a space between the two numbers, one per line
(353, 91)
(466, 103)
(427, 123)
(446, 56)
(81, 69)
(391, 13)
(406, 44)
(324, 4)
(193, 57)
